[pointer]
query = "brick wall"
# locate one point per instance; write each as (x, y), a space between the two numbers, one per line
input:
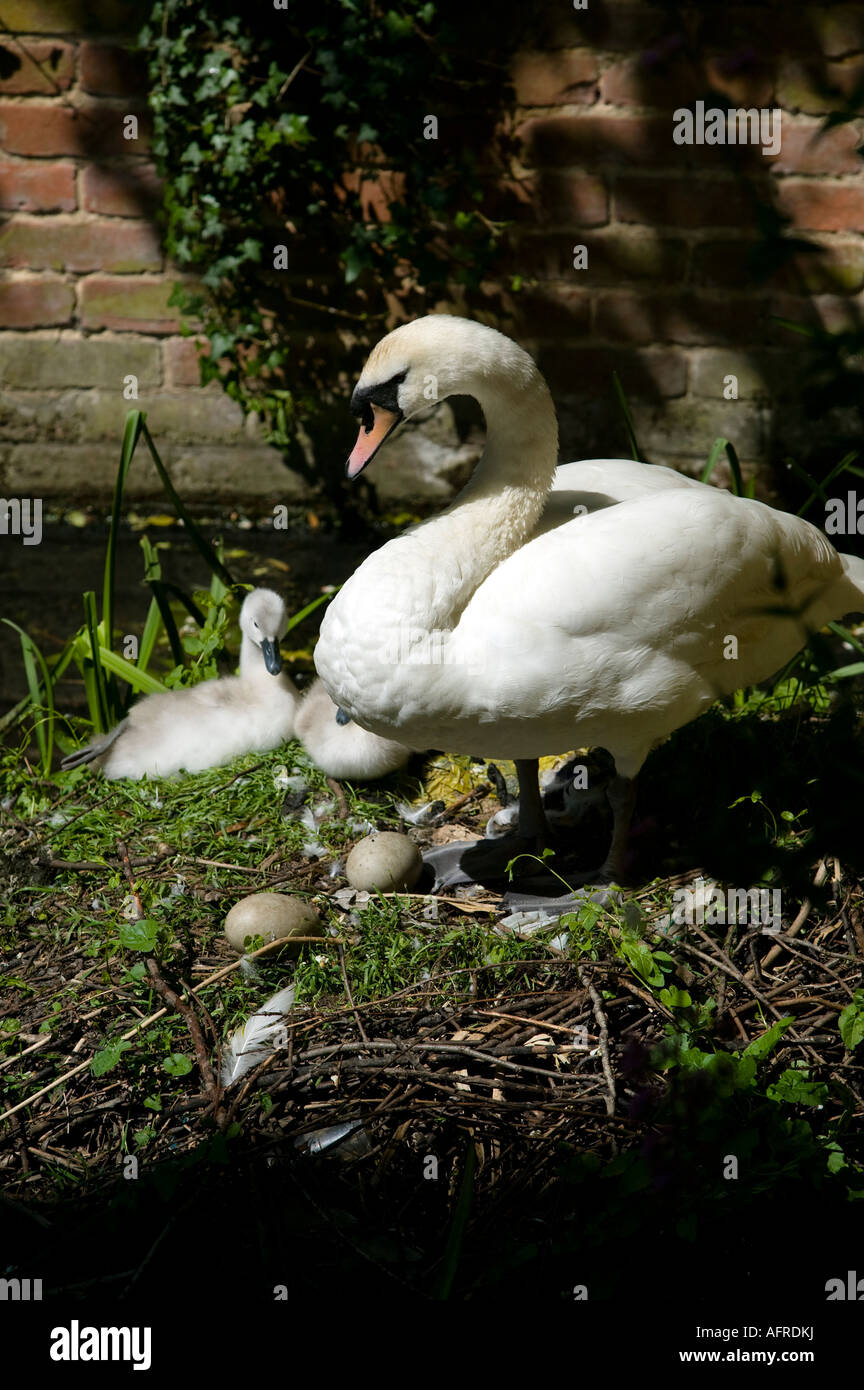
(692, 250)
(85, 288)
(688, 252)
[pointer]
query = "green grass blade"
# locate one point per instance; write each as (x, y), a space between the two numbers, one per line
(200, 542)
(167, 617)
(838, 468)
(149, 635)
(628, 419)
(17, 712)
(457, 1225)
(97, 695)
(310, 608)
(847, 636)
(716, 450)
(816, 489)
(131, 435)
(138, 679)
(844, 672)
(37, 672)
(737, 479)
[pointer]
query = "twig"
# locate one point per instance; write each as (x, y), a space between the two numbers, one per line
(147, 1022)
(604, 1042)
(349, 996)
(202, 1055)
(127, 869)
(803, 914)
(337, 791)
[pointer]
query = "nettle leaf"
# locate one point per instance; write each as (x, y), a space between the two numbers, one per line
(763, 1045)
(139, 936)
(107, 1057)
(851, 1021)
(793, 1086)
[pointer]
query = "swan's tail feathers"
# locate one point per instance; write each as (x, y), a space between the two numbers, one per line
(91, 751)
(854, 567)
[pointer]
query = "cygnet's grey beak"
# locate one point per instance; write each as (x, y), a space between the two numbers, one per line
(272, 656)
(342, 717)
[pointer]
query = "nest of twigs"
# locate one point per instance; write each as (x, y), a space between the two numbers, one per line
(447, 1145)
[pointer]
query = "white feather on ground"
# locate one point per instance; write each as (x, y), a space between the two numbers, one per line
(253, 1042)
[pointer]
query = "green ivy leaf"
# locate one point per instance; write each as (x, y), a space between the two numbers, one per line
(107, 1057)
(178, 1064)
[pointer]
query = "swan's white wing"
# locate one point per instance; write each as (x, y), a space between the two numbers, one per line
(622, 619)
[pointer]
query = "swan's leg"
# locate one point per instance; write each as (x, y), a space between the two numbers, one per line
(621, 795)
(532, 820)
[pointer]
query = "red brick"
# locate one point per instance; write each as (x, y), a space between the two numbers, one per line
(825, 207)
(805, 150)
(838, 269)
(838, 29)
(553, 311)
(37, 187)
(57, 243)
(834, 269)
(651, 81)
(598, 140)
(130, 190)
(35, 303)
(181, 360)
(128, 303)
(47, 66)
(817, 87)
(571, 199)
(670, 202)
(611, 258)
(744, 78)
(617, 25)
(71, 16)
(625, 316)
(36, 128)
(553, 79)
(112, 72)
(654, 374)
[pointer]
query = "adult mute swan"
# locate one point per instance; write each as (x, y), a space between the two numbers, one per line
(211, 723)
(523, 620)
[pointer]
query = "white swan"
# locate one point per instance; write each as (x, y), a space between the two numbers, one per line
(503, 629)
(211, 723)
(340, 747)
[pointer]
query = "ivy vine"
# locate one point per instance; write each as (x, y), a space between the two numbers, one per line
(330, 167)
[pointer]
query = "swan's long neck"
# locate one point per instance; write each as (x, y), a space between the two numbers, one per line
(498, 509)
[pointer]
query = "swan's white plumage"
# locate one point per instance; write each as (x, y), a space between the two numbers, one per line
(253, 1042)
(509, 627)
(211, 723)
(343, 750)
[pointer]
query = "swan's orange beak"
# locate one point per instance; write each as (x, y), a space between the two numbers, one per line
(369, 441)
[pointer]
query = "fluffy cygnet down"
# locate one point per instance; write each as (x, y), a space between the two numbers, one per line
(339, 746)
(211, 723)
